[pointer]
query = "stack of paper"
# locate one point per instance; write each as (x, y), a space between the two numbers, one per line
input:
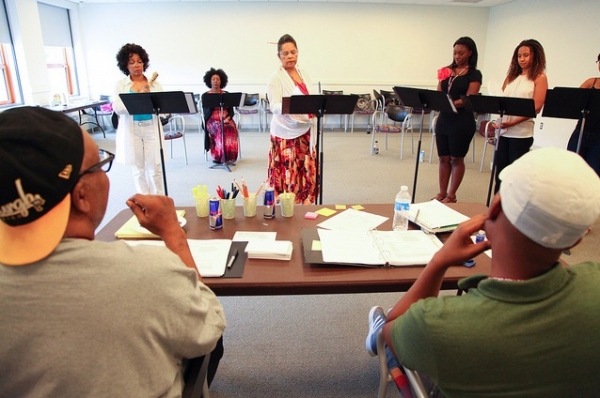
(435, 216)
(133, 230)
(270, 249)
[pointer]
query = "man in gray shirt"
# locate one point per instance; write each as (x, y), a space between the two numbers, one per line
(81, 317)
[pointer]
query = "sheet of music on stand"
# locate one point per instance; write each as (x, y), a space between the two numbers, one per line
(435, 217)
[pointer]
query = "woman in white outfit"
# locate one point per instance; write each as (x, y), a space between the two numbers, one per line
(525, 79)
(137, 135)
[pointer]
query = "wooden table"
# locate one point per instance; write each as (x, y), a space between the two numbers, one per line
(80, 109)
(272, 277)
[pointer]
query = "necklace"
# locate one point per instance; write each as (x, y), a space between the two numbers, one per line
(456, 74)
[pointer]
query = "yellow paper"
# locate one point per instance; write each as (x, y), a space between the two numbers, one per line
(326, 212)
(340, 207)
(358, 207)
(316, 246)
(132, 229)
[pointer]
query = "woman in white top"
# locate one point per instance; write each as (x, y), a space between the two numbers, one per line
(137, 136)
(525, 79)
(292, 148)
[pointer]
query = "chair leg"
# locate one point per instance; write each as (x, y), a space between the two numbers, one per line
(384, 377)
(485, 144)
(184, 149)
(431, 146)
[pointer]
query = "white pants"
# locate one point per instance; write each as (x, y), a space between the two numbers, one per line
(147, 171)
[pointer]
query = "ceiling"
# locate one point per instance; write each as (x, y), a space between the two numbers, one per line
(459, 3)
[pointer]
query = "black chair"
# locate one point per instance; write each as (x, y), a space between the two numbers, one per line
(196, 385)
(396, 113)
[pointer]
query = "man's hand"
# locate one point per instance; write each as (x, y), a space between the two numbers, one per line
(155, 213)
(460, 247)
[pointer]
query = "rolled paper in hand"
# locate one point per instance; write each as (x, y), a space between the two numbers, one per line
(153, 78)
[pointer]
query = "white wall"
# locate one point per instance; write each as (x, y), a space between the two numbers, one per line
(569, 32)
(354, 47)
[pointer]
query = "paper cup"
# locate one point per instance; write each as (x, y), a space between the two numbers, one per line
(228, 208)
(201, 205)
(250, 205)
(287, 202)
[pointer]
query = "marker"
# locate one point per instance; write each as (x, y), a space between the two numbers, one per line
(232, 259)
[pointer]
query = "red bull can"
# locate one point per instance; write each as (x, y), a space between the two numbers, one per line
(215, 215)
(269, 209)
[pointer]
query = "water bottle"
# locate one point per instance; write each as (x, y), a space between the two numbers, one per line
(401, 207)
(369, 128)
(376, 148)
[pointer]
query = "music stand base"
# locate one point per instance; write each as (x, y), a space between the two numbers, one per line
(224, 165)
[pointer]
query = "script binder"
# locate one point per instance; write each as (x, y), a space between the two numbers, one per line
(132, 229)
(383, 248)
(435, 217)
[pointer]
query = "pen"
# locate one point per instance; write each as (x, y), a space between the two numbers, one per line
(417, 216)
(232, 259)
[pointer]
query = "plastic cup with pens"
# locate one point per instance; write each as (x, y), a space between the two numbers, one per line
(201, 197)
(249, 199)
(228, 201)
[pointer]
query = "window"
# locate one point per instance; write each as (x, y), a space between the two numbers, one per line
(58, 46)
(8, 67)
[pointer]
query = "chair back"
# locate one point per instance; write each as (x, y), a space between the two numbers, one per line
(397, 112)
(390, 98)
(364, 104)
(486, 129)
(332, 92)
(251, 99)
(379, 99)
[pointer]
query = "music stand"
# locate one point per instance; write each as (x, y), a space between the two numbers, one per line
(156, 103)
(319, 105)
(221, 101)
(572, 103)
(509, 106)
(423, 99)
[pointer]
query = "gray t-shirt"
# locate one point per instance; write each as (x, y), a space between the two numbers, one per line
(104, 320)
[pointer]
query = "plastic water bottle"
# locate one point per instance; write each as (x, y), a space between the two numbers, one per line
(401, 208)
(376, 148)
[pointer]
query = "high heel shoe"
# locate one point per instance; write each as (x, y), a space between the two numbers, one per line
(449, 199)
(439, 197)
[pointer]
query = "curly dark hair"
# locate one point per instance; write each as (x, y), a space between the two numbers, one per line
(470, 44)
(219, 72)
(538, 62)
(285, 39)
(126, 52)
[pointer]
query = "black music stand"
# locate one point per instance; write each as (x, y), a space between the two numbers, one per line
(509, 106)
(222, 100)
(319, 105)
(156, 103)
(423, 99)
(572, 103)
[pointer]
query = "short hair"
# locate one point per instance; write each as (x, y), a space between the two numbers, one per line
(126, 52)
(285, 39)
(470, 44)
(538, 63)
(219, 72)
(598, 57)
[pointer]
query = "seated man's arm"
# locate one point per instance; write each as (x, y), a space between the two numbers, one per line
(456, 250)
(157, 214)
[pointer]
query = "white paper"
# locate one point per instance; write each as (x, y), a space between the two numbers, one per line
(354, 220)
(397, 248)
(271, 250)
(247, 236)
(210, 255)
(434, 216)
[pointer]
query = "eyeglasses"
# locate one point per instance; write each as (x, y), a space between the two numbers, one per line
(105, 163)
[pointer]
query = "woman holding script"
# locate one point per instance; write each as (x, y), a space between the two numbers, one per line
(292, 148)
(454, 131)
(137, 138)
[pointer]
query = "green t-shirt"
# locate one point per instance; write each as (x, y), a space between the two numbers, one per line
(534, 338)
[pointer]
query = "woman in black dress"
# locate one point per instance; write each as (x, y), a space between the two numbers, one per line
(454, 131)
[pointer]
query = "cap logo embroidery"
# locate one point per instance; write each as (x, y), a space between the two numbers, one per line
(20, 206)
(66, 172)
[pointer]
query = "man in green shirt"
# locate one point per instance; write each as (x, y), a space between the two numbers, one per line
(530, 328)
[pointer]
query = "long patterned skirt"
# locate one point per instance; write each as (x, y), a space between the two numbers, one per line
(292, 168)
(216, 143)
